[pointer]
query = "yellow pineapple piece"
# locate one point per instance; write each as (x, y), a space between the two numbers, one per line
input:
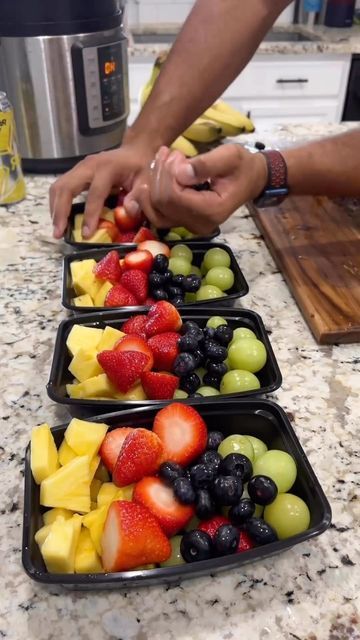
(107, 214)
(86, 558)
(84, 364)
(99, 300)
(126, 493)
(59, 547)
(102, 473)
(107, 494)
(97, 387)
(50, 516)
(43, 453)
(42, 534)
(83, 301)
(100, 236)
(94, 463)
(136, 393)
(94, 489)
(86, 283)
(109, 338)
(77, 267)
(78, 220)
(85, 438)
(68, 487)
(95, 521)
(81, 337)
(66, 453)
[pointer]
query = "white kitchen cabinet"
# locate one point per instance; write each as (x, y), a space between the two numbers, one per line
(278, 89)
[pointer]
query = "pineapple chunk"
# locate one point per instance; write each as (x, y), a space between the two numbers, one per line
(109, 338)
(107, 214)
(95, 521)
(136, 393)
(83, 277)
(58, 550)
(44, 456)
(78, 220)
(85, 438)
(107, 494)
(42, 534)
(83, 301)
(99, 300)
(86, 558)
(94, 463)
(102, 473)
(94, 489)
(66, 453)
(77, 267)
(68, 487)
(97, 387)
(126, 493)
(100, 236)
(50, 516)
(84, 364)
(83, 338)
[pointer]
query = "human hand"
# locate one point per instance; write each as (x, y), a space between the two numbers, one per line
(237, 176)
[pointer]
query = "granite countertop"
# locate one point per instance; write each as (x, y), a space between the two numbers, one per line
(328, 41)
(310, 592)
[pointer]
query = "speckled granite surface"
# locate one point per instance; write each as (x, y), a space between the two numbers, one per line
(310, 592)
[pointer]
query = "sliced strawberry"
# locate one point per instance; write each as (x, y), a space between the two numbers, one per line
(135, 324)
(245, 542)
(118, 238)
(159, 386)
(182, 431)
(132, 537)
(165, 349)
(110, 227)
(162, 317)
(211, 526)
(123, 368)
(149, 302)
(111, 445)
(108, 268)
(142, 260)
(124, 221)
(133, 342)
(118, 296)
(155, 247)
(160, 499)
(128, 236)
(144, 234)
(140, 456)
(136, 282)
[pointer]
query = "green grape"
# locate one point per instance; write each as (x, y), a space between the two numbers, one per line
(221, 277)
(193, 524)
(200, 372)
(279, 466)
(215, 321)
(238, 380)
(208, 391)
(226, 361)
(195, 270)
(247, 354)
(180, 395)
(145, 567)
(258, 445)
(259, 510)
(190, 297)
(208, 292)
(189, 235)
(242, 332)
(181, 231)
(288, 515)
(203, 269)
(176, 557)
(181, 251)
(172, 236)
(236, 444)
(179, 266)
(216, 257)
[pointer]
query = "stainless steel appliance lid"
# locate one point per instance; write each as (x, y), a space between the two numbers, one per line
(21, 18)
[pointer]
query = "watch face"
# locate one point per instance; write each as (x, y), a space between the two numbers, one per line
(271, 197)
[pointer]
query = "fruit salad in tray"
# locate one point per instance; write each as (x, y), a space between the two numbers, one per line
(182, 274)
(103, 360)
(161, 494)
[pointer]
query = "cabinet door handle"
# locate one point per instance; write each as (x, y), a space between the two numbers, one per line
(292, 80)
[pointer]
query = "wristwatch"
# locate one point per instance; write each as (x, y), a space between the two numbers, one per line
(276, 188)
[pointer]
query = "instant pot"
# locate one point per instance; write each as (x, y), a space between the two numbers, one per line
(63, 65)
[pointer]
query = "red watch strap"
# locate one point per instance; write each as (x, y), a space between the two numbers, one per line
(277, 170)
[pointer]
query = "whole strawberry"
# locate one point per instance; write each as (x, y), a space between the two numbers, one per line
(123, 368)
(136, 281)
(118, 296)
(108, 268)
(165, 350)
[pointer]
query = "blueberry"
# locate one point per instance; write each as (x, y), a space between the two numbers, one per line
(241, 512)
(161, 263)
(190, 384)
(214, 439)
(184, 363)
(174, 292)
(205, 507)
(217, 368)
(238, 465)
(159, 294)
(178, 280)
(262, 490)
(227, 490)
(199, 357)
(196, 545)
(188, 342)
(167, 275)
(211, 459)
(192, 283)
(202, 476)
(170, 471)
(192, 327)
(177, 300)
(260, 531)
(184, 491)
(209, 333)
(156, 280)
(224, 334)
(212, 380)
(226, 540)
(214, 351)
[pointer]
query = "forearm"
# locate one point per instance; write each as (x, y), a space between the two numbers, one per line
(217, 41)
(329, 167)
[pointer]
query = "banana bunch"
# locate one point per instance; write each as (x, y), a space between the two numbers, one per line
(218, 122)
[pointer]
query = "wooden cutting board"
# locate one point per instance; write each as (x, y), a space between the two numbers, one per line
(316, 244)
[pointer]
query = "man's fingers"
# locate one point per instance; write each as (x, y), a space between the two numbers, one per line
(98, 192)
(64, 190)
(216, 163)
(153, 215)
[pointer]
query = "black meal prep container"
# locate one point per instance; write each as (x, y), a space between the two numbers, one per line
(257, 417)
(239, 289)
(111, 202)
(270, 376)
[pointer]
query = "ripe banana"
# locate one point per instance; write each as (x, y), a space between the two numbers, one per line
(204, 131)
(185, 146)
(147, 88)
(240, 119)
(228, 122)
